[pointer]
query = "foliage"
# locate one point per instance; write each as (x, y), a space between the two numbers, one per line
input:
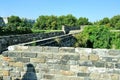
(117, 25)
(114, 20)
(115, 42)
(81, 40)
(94, 37)
(83, 21)
(54, 23)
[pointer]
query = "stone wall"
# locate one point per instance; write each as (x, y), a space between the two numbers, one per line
(67, 29)
(5, 41)
(59, 63)
(67, 40)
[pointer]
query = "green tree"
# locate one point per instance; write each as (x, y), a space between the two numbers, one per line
(114, 20)
(104, 21)
(83, 21)
(15, 20)
(70, 20)
(115, 40)
(117, 25)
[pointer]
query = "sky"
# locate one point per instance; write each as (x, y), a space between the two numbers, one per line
(92, 9)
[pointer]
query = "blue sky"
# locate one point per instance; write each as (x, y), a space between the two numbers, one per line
(92, 9)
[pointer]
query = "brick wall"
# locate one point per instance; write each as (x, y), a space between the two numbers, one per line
(59, 63)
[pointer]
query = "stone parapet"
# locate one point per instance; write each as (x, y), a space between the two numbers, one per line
(59, 63)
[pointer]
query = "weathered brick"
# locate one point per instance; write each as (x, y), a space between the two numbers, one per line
(9, 59)
(45, 55)
(67, 73)
(83, 69)
(38, 60)
(67, 49)
(94, 76)
(115, 77)
(86, 63)
(5, 73)
(15, 74)
(25, 60)
(14, 54)
(114, 52)
(29, 54)
(6, 77)
(18, 64)
(74, 57)
(83, 74)
(99, 64)
(93, 57)
(117, 65)
(83, 57)
(110, 65)
(50, 49)
(48, 76)
(35, 49)
(83, 50)
(107, 59)
(69, 78)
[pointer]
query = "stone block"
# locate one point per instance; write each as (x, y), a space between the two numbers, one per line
(74, 57)
(5, 73)
(67, 73)
(83, 74)
(61, 67)
(9, 59)
(83, 69)
(114, 52)
(84, 57)
(115, 77)
(93, 57)
(100, 52)
(29, 54)
(6, 77)
(74, 68)
(107, 59)
(25, 60)
(86, 63)
(117, 65)
(48, 76)
(18, 64)
(65, 67)
(99, 64)
(38, 60)
(53, 61)
(67, 49)
(83, 50)
(105, 76)
(5, 54)
(51, 49)
(73, 62)
(35, 49)
(45, 55)
(110, 65)
(14, 54)
(95, 76)
(15, 74)
(59, 77)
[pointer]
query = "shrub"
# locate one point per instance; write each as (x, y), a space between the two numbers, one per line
(94, 37)
(115, 40)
